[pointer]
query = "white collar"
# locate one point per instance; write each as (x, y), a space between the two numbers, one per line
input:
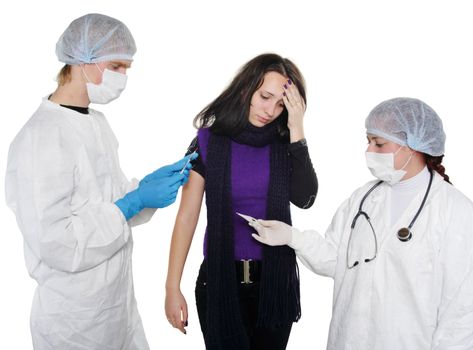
(413, 184)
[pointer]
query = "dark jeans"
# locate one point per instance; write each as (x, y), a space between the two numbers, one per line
(260, 338)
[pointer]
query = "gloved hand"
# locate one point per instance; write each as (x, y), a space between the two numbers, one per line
(152, 194)
(272, 232)
(171, 169)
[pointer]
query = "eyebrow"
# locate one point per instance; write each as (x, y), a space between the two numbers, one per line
(377, 139)
(374, 138)
(122, 64)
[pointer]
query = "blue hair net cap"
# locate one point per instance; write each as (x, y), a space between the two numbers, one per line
(408, 122)
(95, 38)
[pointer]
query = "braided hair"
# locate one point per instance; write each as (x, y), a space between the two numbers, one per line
(435, 163)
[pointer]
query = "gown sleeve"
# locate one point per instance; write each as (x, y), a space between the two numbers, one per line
(68, 228)
(318, 253)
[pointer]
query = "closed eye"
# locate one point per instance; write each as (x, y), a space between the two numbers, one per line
(379, 145)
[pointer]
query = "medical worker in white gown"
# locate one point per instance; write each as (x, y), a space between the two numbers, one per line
(73, 204)
(404, 272)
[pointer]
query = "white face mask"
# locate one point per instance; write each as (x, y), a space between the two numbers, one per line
(112, 85)
(381, 166)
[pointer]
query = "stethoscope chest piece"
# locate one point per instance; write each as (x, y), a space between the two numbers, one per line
(404, 234)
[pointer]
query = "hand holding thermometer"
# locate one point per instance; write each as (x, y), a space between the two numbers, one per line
(251, 220)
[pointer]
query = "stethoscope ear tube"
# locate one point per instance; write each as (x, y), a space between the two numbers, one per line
(405, 233)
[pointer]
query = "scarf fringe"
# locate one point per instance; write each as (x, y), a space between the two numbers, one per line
(280, 297)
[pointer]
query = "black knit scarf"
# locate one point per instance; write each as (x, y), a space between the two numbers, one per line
(279, 286)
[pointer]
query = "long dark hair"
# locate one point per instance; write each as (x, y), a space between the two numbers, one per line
(228, 113)
(435, 163)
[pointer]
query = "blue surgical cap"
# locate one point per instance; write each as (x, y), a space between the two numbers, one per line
(408, 122)
(95, 38)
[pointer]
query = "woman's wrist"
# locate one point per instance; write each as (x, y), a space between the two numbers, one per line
(172, 287)
(296, 133)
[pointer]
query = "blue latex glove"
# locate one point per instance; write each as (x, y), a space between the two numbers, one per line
(152, 194)
(184, 165)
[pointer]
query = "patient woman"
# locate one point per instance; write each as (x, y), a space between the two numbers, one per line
(255, 161)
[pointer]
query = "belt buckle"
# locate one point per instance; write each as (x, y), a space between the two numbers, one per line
(246, 271)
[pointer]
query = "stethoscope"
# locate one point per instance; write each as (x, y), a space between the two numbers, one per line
(404, 234)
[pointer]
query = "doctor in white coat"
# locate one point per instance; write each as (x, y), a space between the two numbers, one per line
(73, 204)
(400, 249)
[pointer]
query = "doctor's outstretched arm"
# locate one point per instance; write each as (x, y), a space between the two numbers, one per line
(319, 254)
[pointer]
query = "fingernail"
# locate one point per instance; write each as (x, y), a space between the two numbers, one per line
(284, 93)
(289, 81)
(186, 323)
(285, 86)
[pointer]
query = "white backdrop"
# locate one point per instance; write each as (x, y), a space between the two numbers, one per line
(353, 54)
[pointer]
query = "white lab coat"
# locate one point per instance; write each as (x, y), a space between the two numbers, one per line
(62, 180)
(416, 295)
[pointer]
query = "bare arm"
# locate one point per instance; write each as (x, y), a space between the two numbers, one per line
(184, 228)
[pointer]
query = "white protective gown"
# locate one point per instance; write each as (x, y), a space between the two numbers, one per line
(63, 177)
(416, 295)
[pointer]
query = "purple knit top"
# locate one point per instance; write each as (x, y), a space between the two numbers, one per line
(250, 181)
